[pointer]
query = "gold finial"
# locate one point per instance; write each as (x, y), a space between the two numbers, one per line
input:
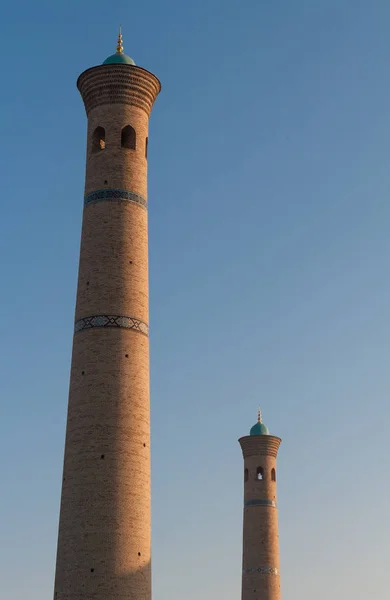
(119, 47)
(259, 416)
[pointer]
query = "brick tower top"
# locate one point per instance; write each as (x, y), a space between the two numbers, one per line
(118, 81)
(259, 441)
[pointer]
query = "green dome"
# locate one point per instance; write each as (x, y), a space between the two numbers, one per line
(259, 429)
(119, 59)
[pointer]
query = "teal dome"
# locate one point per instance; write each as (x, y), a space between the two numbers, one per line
(259, 429)
(119, 59)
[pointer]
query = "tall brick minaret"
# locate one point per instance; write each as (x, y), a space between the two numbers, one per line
(104, 530)
(260, 558)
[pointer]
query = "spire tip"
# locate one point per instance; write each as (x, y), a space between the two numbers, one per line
(119, 47)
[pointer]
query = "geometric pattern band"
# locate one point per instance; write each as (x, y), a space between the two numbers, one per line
(263, 570)
(126, 195)
(106, 321)
(260, 502)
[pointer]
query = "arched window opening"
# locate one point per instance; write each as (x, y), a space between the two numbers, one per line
(98, 139)
(128, 137)
(260, 473)
(146, 147)
(246, 475)
(273, 475)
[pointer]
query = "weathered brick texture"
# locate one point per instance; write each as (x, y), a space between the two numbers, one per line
(104, 531)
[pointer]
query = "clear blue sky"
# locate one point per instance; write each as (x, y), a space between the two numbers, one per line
(269, 251)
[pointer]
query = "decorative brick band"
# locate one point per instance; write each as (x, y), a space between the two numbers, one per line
(260, 445)
(111, 321)
(260, 502)
(118, 84)
(263, 570)
(124, 195)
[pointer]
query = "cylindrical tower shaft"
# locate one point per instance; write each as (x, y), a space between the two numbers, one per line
(260, 561)
(104, 532)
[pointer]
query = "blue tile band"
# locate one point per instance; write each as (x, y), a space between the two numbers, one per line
(104, 321)
(263, 570)
(124, 195)
(260, 502)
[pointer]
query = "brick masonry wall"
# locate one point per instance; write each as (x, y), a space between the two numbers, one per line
(104, 532)
(260, 562)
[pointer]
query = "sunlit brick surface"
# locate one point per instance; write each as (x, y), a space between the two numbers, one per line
(104, 532)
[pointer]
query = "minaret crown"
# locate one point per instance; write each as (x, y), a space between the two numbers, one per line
(259, 428)
(119, 57)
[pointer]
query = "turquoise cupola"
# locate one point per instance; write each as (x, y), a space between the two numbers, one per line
(119, 58)
(259, 428)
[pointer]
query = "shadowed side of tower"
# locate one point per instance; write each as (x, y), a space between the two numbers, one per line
(260, 557)
(104, 532)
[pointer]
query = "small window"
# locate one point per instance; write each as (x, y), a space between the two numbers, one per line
(128, 137)
(246, 475)
(260, 473)
(273, 475)
(98, 139)
(146, 147)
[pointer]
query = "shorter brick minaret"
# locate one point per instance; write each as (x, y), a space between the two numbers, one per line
(260, 557)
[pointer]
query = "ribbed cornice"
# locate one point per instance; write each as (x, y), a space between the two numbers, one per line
(118, 84)
(259, 445)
